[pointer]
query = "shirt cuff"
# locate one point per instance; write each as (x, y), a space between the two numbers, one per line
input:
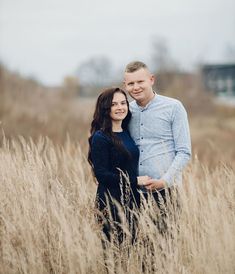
(168, 180)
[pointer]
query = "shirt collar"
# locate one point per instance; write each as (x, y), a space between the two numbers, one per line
(149, 103)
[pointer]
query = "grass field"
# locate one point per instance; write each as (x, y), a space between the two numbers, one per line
(47, 191)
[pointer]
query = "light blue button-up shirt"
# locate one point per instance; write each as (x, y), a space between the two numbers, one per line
(161, 131)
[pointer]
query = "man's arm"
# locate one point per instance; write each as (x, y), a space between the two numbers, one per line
(182, 142)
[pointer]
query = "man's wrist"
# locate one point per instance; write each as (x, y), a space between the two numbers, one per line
(166, 182)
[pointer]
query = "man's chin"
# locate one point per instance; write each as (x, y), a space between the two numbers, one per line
(137, 97)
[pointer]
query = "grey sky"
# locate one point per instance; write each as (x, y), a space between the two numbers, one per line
(49, 39)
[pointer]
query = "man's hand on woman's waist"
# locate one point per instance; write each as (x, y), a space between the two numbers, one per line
(154, 184)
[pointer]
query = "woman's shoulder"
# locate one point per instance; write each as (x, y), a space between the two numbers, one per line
(100, 136)
(124, 133)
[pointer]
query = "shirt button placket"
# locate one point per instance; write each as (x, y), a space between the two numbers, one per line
(141, 135)
(141, 125)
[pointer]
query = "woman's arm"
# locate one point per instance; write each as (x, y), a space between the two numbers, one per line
(100, 154)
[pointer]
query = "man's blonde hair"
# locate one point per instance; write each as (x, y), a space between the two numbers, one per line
(134, 66)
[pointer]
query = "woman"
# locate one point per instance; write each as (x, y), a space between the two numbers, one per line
(113, 155)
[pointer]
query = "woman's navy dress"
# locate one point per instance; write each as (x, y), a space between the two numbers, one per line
(112, 185)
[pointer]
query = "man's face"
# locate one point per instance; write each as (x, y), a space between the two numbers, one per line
(139, 85)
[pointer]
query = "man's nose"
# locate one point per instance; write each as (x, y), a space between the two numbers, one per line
(136, 86)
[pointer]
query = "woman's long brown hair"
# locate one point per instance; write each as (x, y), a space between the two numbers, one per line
(102, 120)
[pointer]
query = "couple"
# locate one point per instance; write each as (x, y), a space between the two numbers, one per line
(150, 142)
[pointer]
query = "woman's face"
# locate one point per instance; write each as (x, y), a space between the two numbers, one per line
(119, 108)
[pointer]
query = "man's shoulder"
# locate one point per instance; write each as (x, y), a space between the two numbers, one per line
(174, 106)
(168, 100)
(132, 103)
(133, 106)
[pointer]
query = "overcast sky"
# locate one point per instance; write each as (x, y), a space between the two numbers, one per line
(49, 39)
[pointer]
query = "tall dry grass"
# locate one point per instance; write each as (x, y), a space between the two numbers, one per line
(47, 222)
(47, 191)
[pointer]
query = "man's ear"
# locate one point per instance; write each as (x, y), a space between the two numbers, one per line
(153, 78)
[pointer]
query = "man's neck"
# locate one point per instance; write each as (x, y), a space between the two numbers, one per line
(145, 102)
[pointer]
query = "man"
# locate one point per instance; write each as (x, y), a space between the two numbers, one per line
(159, 126)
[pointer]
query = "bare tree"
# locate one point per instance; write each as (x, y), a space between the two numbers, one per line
(95, 72)
(161, 57)
(229, 53)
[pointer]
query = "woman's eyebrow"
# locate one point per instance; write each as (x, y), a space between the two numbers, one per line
(114, 102)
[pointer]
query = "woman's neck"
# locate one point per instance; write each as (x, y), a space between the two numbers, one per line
(117, 126)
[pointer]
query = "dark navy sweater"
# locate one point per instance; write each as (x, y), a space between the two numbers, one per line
(107, 159)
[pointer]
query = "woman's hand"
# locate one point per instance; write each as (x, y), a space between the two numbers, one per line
(153, 184)
(142, 180)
